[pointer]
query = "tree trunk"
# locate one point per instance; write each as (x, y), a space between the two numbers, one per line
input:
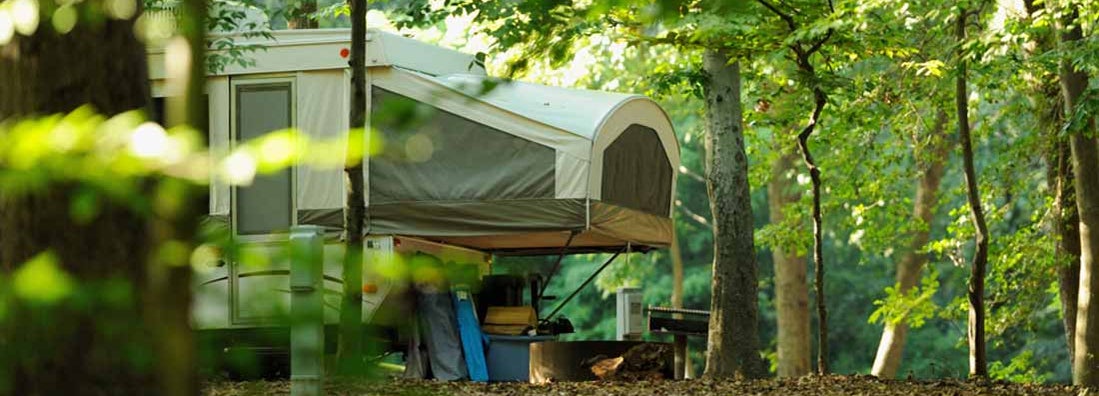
(170, 309)
(791, 284)
(978, 365)
(733, 333)
(1085, 164)
(682, 353)
(300, 16)
(819, 101)
(350, 340)
(100, 344)
(909, 268)
(1066, 223)
(1045, 94)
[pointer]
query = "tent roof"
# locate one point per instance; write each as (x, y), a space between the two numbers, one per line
(322, 49)
(579, 111)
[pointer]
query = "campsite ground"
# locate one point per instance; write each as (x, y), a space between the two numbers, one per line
(831, 385)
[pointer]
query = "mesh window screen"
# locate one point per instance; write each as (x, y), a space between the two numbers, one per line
(433, 155)
(266, 205)
(637, 173)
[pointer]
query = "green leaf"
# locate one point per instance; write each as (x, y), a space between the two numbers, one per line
(41, 280)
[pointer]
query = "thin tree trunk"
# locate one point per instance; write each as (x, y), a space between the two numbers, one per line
(677, 272)
(1085, 163)
(802, 54)
(68, 347)
(791, 283)
(819, 100)
(909, 268)
(350, 344)
(677, 297)
(733, 333)
(978, 365)
(300, 16)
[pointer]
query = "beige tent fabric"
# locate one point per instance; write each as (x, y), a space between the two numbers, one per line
(504, 213)
(447, 200)
(323, 100)
(217, 90)
(641, 111)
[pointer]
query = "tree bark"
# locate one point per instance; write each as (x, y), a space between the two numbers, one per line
(733, 332)
(300, 16)
(94, 346)
(791, 282)
(682, 354)
(1085, 164)
(909, 268)
(978, 364)
(819, 100)
(350, 349)
(170, 305)
(1046, 95)
(1066, 223)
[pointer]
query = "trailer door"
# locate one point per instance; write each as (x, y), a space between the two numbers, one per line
(263, 212)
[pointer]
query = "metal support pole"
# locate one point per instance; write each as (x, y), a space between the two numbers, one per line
(306, 310)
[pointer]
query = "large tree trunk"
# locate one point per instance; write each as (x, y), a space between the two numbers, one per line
(169, 312)
(1066, 223)
(791, 283)
(978, 364)
(1085, 164)
(733, 334)
(910, 267)
(350, 340)
(1045, 94)
(101, 344)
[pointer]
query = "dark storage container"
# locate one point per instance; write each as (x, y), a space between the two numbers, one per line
(499, 291)
(509, 357)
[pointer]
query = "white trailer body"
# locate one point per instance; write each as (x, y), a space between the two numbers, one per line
(252, 289)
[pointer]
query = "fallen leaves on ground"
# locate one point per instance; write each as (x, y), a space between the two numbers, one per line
(811, 385)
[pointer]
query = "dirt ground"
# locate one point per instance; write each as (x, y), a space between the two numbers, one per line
(831, 385)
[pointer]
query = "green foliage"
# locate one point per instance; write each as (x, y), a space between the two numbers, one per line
(1020, 369)
(914, 307)
(158, 24)
(41, 281)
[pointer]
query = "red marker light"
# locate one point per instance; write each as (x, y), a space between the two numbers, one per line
(344, 52)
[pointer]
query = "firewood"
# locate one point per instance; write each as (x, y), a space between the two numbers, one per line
(644, 361)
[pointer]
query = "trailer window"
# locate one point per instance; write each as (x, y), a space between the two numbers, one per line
(637, 173)
(266, 206)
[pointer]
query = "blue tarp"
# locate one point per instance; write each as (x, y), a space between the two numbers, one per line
(473, 341)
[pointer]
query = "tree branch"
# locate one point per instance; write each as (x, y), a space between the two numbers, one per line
(684, 171)
(784, 16)
(702, 221)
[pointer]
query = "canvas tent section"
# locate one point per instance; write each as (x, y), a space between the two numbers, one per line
(493, 165)
(300, 79)
(512, 167)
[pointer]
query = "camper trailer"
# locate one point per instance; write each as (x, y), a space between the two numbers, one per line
(486, 167)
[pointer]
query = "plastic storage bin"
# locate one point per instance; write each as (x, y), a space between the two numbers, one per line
(509, 356)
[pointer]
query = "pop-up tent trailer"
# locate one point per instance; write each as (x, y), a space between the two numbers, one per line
(462, 171)
(516, 169)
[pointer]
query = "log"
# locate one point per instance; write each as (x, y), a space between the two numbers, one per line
(642, 362)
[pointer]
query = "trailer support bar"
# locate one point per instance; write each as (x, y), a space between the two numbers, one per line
(306, 310)
(583, 285)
